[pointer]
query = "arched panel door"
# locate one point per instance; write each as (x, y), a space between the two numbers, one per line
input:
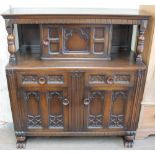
(94, 110)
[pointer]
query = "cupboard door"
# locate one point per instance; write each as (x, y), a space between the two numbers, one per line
(120, 108)
(107, 109)
(94, 105)
(32, 109)
(46, 109)
(58, 105)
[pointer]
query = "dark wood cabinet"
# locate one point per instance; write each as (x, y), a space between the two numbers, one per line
(75, 74)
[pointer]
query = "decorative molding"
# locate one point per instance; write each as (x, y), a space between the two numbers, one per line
(76, 74)
(27, 95)
(56, 121)
(33, 121)
(138, 95)
(115, 94)
(57, 93)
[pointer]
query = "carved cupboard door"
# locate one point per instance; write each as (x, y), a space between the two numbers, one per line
(58, 110)
(45, 109)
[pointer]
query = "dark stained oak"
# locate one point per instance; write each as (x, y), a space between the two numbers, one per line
(74, 73)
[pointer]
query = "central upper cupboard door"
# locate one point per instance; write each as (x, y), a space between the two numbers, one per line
(75, 41)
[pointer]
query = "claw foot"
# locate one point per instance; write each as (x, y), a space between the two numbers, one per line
(129, 141)
(20, 145)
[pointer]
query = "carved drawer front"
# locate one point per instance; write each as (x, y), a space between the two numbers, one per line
(42, 79)
(76, 41)
(147, 119)
(109, 78)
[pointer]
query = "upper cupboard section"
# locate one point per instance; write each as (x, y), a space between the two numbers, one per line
(75, 41)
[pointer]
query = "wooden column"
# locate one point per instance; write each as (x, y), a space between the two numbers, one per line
(11, 42)
(140, 41)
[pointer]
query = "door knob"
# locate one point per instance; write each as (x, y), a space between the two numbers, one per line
(65, 101)
(45, 42)
(42, 80)
(86, 101)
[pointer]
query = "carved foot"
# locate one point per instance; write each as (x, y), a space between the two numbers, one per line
(21, 140)
(20, 145)
(129, 141)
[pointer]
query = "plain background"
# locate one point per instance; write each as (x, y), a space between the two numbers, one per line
(5, 111)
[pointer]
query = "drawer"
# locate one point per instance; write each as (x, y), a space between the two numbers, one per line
(39, 79)
(113, 78)
(147, 118)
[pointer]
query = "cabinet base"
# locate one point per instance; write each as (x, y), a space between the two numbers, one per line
(128, 136)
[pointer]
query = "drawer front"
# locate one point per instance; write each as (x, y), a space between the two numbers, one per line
(109, 78)
(39, 79)
(147, 117)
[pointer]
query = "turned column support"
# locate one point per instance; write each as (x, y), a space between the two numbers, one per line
(140, 41)
(11, 42)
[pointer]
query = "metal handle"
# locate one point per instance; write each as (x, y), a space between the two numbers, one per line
(65, 101)
(110, 80)
(86, 101)
(42, 80)
(45, 42)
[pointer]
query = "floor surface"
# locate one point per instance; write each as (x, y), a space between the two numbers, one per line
(8, 142)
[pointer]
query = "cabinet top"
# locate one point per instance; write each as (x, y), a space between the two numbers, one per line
(73, 11)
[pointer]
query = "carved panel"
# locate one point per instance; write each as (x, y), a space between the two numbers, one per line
(97, 79)
(32, 104)
(34, 121)
(26, 79)
(95, 121)
(76, 39)
(56, 115)
(95, 109)
(117, 115)
(51, 79)
(112, 79)
(56, 121)
(117, 121)
(124, 79)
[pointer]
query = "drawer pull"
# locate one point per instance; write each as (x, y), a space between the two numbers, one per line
(86, 101)
(42, 80)
(110, 80)
(65, 101)
(45, 42)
